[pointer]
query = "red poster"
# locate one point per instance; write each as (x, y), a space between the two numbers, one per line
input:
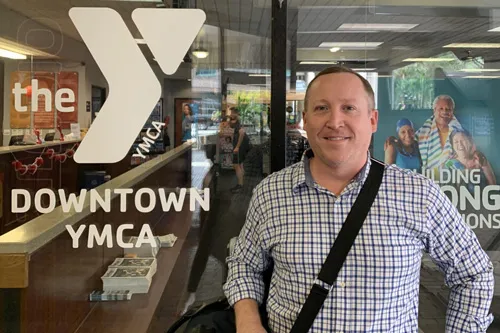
(69, 98)
(20, 118)
(44, 116)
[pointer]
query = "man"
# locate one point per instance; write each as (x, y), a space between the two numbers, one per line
(433, 136)
(295, 215)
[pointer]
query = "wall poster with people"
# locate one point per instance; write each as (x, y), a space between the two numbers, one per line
(454, 145)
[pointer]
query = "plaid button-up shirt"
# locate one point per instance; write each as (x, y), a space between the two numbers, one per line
(293, 221)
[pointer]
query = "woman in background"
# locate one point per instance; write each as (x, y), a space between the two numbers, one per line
(187, 121)
(403, 151)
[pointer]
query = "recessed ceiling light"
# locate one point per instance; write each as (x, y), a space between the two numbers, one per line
(377, 26)
(363, 69)
(140, 41)
(11, 55)
(352, 45)
(260, 75)
(334, 49)
(427, 59)
(479, 70)
(474, 45)
(481, 77)
(495, 29)
(338, 32)
(318, 63)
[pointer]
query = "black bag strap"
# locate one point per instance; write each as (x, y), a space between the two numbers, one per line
(340, 248)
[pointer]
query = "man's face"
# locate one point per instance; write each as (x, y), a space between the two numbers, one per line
(233, 119)
(443, 112)
(338, 120)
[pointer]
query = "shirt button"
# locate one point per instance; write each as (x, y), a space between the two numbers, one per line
(342, 285)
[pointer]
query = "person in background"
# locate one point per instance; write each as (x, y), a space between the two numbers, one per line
(433, 136)
(187, 121)
(465, 156)
(241, 144)
(295, 216)
(403, 151)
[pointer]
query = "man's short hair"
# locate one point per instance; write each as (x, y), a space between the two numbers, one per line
(342, 69)
(446, 98)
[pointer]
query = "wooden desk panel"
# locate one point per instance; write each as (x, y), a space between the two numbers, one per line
(61, 277)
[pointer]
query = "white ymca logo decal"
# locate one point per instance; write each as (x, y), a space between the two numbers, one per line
(134, 89)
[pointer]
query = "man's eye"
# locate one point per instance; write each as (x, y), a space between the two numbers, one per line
(321, 108)
(349, 108)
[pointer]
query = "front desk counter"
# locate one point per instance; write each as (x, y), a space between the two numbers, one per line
(45, 282)
(53, 174)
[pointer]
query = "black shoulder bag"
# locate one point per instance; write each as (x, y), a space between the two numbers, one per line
(219, 316)
(340, 249)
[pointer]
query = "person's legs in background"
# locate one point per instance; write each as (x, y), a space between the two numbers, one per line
(240, 172)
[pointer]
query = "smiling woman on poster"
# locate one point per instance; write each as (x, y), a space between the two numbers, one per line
(403, 151)
(467, 157)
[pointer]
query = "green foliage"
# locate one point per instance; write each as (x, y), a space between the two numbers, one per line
(250, 105)
(414, 84)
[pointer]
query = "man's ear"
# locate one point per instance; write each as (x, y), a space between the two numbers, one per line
(374, 120)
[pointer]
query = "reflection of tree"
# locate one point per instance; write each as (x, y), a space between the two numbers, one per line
(251, 105)
(414, 84)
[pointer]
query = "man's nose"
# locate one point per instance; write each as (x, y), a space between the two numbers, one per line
(335, 118)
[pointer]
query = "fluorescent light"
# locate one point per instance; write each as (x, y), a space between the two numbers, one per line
(376, 26)
(11, 55)
(140, 41)
(479, 70)
(495, 29)
(352, 45)
(363, 69)
(318, 63)
(334, 49)
(474, 45)
(427, 59)
(260, 75)
(338, 32)
(481, 77)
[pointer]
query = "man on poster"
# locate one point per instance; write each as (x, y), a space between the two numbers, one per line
(433, 136)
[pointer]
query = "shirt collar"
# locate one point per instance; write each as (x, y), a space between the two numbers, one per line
(303, 176)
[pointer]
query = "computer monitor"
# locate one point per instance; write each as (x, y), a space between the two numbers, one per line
(16, 139)
(49, 136)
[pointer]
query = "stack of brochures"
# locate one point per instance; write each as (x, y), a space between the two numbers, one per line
(132, 274)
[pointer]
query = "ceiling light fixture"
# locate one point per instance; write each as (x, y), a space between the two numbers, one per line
(427, 59)
(482, 77)
(200, 53)
(376, 26)
(497, 29)
(140, 41)
(338, 32)
(318, 63)
(259, 75)
(334, 49)
(363, 69)
(11, 55)
(473, 45)
(352, 45)
(479, 70)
